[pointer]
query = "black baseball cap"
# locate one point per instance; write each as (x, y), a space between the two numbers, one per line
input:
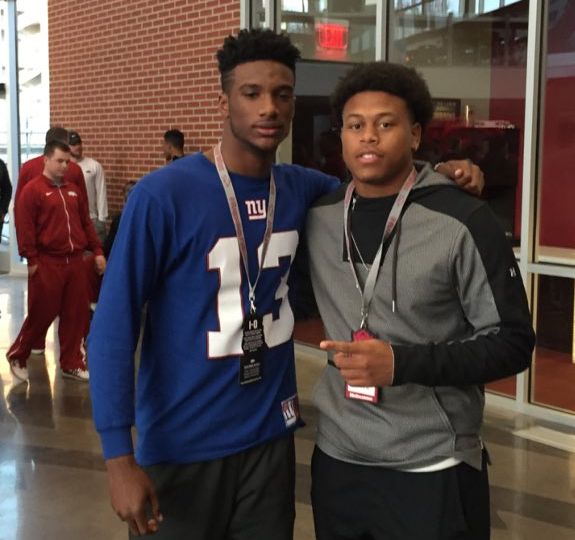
(74, 138)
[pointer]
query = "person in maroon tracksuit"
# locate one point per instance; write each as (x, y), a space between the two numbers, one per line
(54, 230)
(33, 168)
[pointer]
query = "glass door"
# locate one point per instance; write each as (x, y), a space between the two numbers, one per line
(553, 372)
(474, 58)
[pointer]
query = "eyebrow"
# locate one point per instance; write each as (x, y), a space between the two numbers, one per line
(377, 116)
(255, 86)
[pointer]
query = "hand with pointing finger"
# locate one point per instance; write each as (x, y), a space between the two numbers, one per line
(363, 363)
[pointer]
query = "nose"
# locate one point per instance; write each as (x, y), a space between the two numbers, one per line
(268, 106)
(369, 134)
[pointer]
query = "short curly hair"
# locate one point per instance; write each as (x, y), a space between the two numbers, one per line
(396, 79)
(253, 45)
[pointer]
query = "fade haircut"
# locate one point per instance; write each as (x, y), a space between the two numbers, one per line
(53, 145)
(175, 137)
(57, 133)
(253, 45)
(396, 79)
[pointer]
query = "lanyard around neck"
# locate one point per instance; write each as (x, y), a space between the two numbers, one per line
(237, 219)
(367, 291)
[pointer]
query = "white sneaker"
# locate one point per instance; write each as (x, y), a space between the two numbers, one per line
(37, 351)
(19, 373)
(79, 374)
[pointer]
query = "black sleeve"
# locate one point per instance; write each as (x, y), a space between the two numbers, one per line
(5, 188)
(110, 237)
(493, 300)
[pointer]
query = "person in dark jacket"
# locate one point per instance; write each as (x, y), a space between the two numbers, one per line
(110, 237)
(5, 193)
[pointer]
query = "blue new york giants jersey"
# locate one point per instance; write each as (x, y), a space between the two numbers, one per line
(176, 253)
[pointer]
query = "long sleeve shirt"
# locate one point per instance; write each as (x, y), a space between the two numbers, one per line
(53, 220)
(35, 166)
(95, 187)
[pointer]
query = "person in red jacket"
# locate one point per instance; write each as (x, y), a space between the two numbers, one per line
(33, 168)
(54, 230)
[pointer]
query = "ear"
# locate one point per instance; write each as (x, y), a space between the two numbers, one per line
(415, 136)
(223, 105)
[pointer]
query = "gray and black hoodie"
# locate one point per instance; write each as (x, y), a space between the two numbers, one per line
(461, 320)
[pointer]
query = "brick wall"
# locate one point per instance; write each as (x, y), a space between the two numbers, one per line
(123, 72)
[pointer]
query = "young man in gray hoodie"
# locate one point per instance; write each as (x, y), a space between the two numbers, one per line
(423, 304)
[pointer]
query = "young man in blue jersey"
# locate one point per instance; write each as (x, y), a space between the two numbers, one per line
(207, 243)
(423, 304)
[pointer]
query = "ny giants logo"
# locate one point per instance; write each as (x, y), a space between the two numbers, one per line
(256, 209)
(290, 410)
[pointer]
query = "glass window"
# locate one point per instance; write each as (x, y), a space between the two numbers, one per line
(258, 14)
(33, 76)
(553, 372)
(4, 226)
(557, 183)
(33, 92)
(331, 30)
(473, 56)
(3, 84)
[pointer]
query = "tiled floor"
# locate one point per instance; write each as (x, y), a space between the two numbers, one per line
(53, 485)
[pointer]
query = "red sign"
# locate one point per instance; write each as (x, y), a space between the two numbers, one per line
(331, 36)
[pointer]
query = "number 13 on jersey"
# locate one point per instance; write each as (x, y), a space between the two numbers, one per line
(225, 258)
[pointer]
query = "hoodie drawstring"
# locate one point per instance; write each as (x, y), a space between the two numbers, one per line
(394, 266)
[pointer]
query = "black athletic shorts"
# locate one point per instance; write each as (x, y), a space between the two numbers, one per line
(246, 496)
(359, 502)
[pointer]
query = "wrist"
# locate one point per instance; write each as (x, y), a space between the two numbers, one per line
(127, 460)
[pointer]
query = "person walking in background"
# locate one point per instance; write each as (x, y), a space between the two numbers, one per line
(97, 205)
(173, 145)
(5, 193)
(54, 230)
(95, 184)
(35, 166)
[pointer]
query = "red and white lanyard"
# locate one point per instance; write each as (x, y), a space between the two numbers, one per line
(236, 218)
(367, 291)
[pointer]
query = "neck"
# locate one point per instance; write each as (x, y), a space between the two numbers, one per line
(383, 187)
(54, 180)
(243, 159)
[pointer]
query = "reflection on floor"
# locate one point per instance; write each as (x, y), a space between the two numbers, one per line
(53, 485)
